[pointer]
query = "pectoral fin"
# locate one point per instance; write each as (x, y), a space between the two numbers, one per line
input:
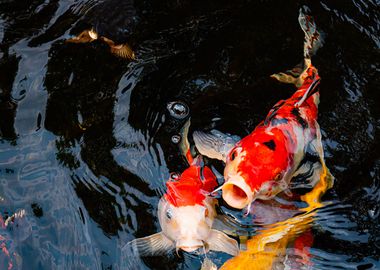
(214, 144)
(219, 241)
(121, 50)
(155, 244)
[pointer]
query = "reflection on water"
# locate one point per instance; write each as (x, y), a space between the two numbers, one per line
(85, 137)
(268, 247)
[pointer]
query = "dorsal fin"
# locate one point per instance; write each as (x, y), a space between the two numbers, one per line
(313, 88)
(184, 144)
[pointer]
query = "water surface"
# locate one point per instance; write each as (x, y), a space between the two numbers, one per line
(85, 137)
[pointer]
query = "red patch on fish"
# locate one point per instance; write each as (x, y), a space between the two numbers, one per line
(191, 186)
(270, 148)
(265, 164)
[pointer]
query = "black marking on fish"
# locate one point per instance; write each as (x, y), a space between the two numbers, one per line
(310, 157)
(270, 144)
(313, 88)
(303, 182)
(301, 178)
(297, 115)
(273, 111)
(279, 121)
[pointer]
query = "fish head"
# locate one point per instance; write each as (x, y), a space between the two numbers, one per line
(186, 213)
(188, 226)
(255, 167)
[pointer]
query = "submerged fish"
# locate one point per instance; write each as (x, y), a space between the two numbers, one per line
(121, 50)
(186, 213)
(13, 231)
(268, 247)
(262, 164)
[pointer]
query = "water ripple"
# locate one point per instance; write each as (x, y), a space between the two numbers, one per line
(85, 137)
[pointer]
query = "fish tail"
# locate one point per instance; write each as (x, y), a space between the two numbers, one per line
(304, 74)
(313, 38)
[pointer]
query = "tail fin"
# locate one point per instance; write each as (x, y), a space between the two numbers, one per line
(313, 38)
(313, 41)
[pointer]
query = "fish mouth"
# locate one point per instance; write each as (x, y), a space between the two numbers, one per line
(190, 245)
(236, 193)
(190, 248)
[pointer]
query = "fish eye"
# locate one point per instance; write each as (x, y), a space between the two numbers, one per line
(174, 176)
(169, 214)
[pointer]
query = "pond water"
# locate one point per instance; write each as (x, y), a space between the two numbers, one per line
(86, 139)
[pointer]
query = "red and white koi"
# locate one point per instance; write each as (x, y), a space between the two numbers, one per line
(186, 213)
(262, 164)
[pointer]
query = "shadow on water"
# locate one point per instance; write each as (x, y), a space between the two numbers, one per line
(85, 137)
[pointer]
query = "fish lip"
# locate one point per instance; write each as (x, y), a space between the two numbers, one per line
(229, 192)
(190, 248)
(189, 245)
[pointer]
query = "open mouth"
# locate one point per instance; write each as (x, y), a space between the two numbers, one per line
(190, 248)
(236, 193)
(189, 245)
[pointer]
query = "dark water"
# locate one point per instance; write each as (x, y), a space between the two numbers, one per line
(85, 137)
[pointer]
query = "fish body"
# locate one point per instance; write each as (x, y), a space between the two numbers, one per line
(268, 158)
(262, 164)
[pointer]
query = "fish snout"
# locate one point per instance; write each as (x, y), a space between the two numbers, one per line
(237, 193)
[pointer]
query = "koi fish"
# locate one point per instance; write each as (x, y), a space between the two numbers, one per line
(262, 164)
(268, 247)
(186, 213)
(120, 50)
